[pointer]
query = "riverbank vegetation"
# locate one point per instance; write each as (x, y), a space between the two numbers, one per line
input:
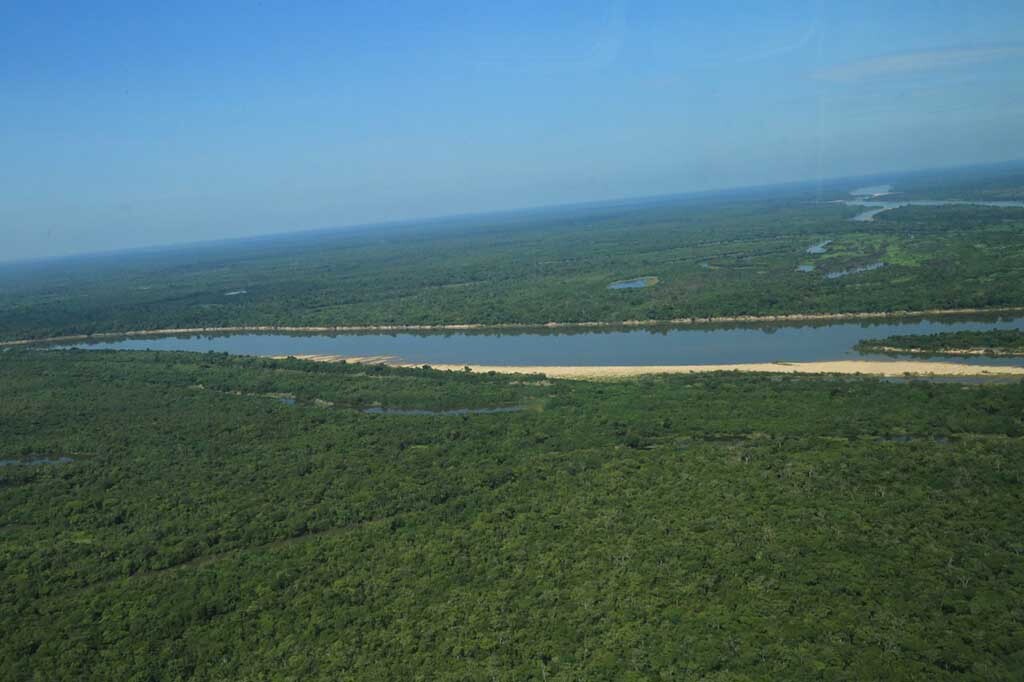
(990, 342)
(718, 526)
(729, 254)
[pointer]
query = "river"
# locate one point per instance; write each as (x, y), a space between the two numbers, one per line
(689, 345)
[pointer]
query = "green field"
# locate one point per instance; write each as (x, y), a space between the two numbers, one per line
(711, 526)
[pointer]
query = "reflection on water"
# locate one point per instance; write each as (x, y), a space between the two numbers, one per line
(663, 345)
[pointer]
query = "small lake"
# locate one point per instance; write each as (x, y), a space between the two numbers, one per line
(684, 345)
(638, 283)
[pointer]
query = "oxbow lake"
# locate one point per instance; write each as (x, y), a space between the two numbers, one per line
(686, 345)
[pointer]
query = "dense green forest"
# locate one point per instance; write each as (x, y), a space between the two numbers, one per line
(709, 526)
(993, 341)
(716, 255)
(1001, 182)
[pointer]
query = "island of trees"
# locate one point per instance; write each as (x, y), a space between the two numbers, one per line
(996, 342)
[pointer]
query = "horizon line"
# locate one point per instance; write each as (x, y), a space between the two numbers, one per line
(440, 218)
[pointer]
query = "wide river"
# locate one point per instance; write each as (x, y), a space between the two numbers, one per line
(635, 346)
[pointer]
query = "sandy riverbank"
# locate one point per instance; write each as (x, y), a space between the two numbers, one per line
(952, 352)
(868, 367)
(398, 328)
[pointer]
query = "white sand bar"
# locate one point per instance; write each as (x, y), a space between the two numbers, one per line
(895, 368)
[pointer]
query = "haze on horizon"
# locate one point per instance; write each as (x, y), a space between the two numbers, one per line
(138, 124)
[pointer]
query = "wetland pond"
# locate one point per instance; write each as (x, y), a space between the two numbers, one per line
(681, 345)
(638, 283)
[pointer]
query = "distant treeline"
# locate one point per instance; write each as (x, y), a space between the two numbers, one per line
(710, 258)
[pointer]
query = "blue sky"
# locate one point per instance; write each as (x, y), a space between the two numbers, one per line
(126, 124)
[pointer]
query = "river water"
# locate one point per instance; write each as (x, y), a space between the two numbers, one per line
(613, 346)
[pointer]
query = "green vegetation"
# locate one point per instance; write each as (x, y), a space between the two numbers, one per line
(712, 256)
(1004, 182)
(992, 342)
(708, 526)
(182, 516)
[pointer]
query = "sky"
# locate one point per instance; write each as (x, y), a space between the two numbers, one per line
(127, 124)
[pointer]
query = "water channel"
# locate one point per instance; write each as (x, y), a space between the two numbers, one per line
(685, 345)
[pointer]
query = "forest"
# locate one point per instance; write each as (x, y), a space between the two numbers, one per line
(990, 342)
(725, 254)
(220, 517)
